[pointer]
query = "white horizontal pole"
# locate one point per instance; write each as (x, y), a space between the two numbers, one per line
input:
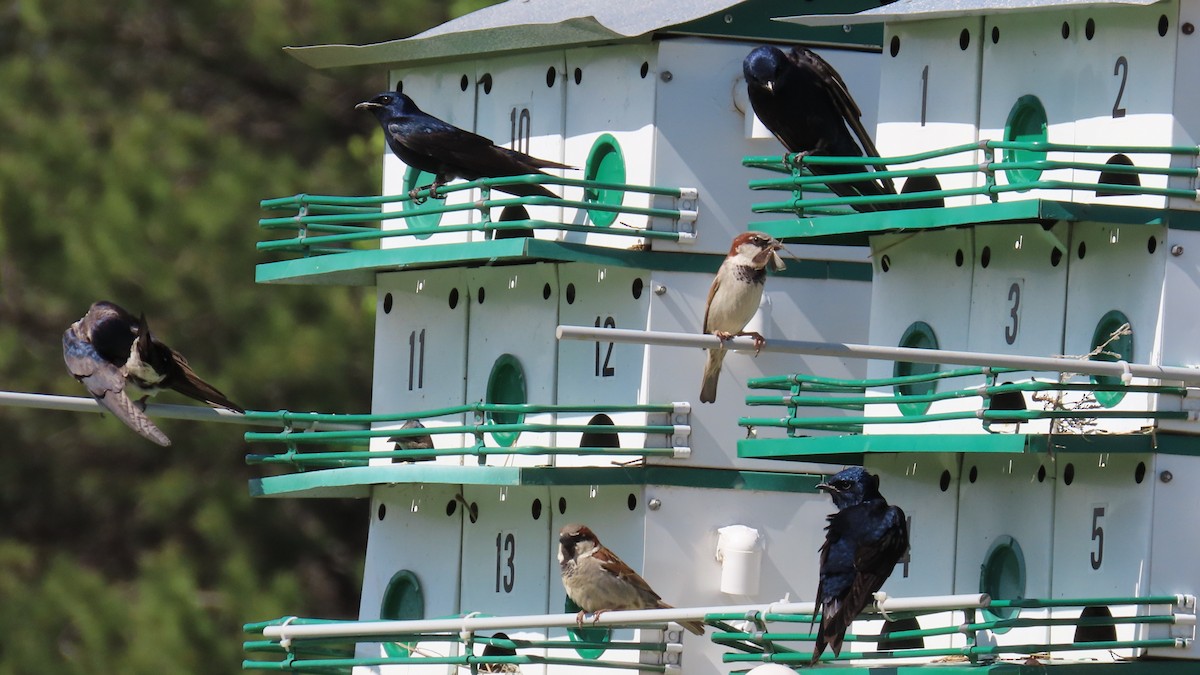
(471, 624)
(17, 399)
(844, 350)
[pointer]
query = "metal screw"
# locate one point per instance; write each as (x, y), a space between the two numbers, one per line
(728, 18)
(1177, 250)
(1165, 476)
(666, 76)
(660, 289)
(654, 504)
(1188, 28)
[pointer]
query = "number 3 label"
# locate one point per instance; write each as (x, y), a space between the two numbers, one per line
(1014, 312)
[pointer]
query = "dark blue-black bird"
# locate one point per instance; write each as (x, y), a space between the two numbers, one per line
(425, 142)
(863, 542)
(805, 103)
(109, 349)
(418, 442)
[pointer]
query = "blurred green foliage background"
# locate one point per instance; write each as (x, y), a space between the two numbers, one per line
(136, 139)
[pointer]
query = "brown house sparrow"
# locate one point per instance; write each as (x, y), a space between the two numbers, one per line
(596, 579)
(734, 296)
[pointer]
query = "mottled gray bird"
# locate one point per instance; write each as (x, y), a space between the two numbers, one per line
(109, 349)
(418, 442)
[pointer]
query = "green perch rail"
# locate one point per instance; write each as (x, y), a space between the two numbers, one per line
(913, 394)
(1021, 164)
(504, 422)
(333, 224)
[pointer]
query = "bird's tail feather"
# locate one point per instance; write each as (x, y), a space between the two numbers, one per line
(695, 627)
(191, 385)
(712, 372)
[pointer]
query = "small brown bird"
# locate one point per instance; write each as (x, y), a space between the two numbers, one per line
(420, 442)
(109, 348)
(598, 581)
(734, 296)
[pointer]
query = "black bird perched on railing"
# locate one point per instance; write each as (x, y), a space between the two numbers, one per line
(425, 142)
(863, 542)
(109, 348)
(805, 103)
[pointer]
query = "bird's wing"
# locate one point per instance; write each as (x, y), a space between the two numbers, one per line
(444, 142)
(840, 93)
(106, 384)
(610, 563)
(712, 290)
(876, 555)
(183, 380)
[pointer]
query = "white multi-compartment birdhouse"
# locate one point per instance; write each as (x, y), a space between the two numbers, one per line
(646, 101)
(1061, 138)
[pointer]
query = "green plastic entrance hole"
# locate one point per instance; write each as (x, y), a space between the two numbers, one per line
(1026, 123)
(414, 179)
(919, 335)
(605, 164)
(403, 599)
(506, 384)
(1120, 349)
(1003, 577)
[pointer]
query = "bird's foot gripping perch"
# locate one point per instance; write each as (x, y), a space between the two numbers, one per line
(433, 193)
(583, 614)
(759, 340)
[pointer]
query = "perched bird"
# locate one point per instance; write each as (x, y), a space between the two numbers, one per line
(733, 298)
(421, 442)
(425, 142)
(805, 103)
(109, 348)
(596, 579)
(492, 651)
(863, 542)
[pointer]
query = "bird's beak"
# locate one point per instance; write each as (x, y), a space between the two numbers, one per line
(826, 487)
(367, 105)
(770, 85)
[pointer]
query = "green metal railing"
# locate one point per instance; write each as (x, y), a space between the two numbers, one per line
(333, 224)
(489, 418)
(981, 160)
(759, 644)
(804, 391)
(336, 654)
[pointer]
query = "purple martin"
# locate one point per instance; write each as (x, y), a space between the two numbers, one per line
(863, 542)
(109, 349)
(805, 103)
(420, 442)
(425, 142)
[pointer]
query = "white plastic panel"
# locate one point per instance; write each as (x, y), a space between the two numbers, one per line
(439, 91)
(833, 310)
(515, 312)
(1025, 44)
(1101, 538)
(609, 94)
(1174, 478)
(521, 108)
(602, 372)
(1125, 87)
(1116, 271)
(942, 260)
(931, 90)
(1186, 96)
(1007, 496)
(1181, 292)
(401, 518)
(505, 550)
(681, 544)
(1017, 300)
(420, 349)
(925, 487)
